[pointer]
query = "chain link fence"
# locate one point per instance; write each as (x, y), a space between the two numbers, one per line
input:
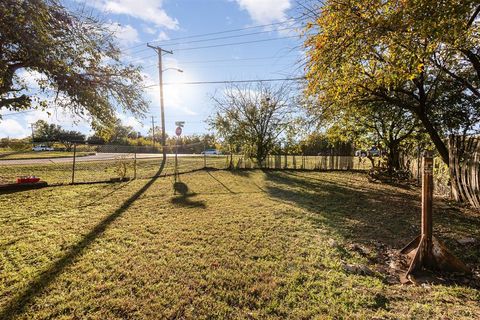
(110, 163)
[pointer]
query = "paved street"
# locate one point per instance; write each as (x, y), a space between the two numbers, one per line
(96, 157)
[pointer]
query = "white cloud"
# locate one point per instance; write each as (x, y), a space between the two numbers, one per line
(130, 121)
(146, 10)
(126, 35)
(265, 11)
(13, 129)
(162, 36)
(148, 29)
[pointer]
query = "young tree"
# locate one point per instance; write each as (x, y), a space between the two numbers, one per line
(253, 117)
(76, 56)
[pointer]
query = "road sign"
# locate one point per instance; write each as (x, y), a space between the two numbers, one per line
(180, 123)
(178, 131)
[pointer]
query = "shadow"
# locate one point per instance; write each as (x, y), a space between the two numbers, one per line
(105, 195)
(382, 220)
(20, 187)
(241, 172)
(184, 198)
(6, 154)
(220, 182)
(17, 305)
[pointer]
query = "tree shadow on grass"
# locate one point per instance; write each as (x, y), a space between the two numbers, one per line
(184, 198)
(365, 215)
(108, 194)
(18, 304)
(229, 190)
(220, 182)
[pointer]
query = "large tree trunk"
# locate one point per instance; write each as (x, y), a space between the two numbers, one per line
(393, 161)
(436, 139)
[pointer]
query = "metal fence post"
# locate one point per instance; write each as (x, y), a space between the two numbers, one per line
(134, 162)
(73, 164)
(204, 157)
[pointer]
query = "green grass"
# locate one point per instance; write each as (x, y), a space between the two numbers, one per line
(242, 245)
(95, 171)
(40, 155)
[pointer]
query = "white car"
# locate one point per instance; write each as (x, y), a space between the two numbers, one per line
(42, 147)
(211, 151)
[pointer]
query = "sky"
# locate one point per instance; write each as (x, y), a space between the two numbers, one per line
(264, 45)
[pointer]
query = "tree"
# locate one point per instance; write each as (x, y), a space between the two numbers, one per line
(76, 56)
(191, 143)
(117, 133)
(95, 139)
(320, 144)
(45, 132)
(253, 117)
(396, 53)
(156, 133)
(69, 137)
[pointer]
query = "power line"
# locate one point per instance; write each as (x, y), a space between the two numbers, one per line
(168, 43)
(227, 81)
(213, 33)
(15, 113)
(234, 43)
(233, 59)
(217, 45)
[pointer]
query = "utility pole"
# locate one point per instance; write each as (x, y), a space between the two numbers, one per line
(153, 132)
(160, 51)
(33, 141)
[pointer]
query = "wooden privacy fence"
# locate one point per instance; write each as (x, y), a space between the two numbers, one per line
(301, 162)
(464, 157)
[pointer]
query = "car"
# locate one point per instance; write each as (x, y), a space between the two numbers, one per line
(374, 152)
(42, 147)
(211, 152)
(360, 153)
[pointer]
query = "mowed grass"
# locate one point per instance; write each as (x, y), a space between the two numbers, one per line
(241, 245)
(105, 170)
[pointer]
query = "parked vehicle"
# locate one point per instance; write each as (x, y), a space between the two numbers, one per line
(360, 153)
(211, 152)
(375, 152)
(42, 147)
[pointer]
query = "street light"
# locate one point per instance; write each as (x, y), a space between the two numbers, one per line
(179, 70)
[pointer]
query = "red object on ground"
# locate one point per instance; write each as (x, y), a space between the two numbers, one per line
(31, 179)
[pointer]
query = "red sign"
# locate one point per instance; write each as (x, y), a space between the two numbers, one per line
(178, 131)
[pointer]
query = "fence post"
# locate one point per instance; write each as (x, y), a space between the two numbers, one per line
(73, 164)
(135, 162)
(418, 165)
(204, 158)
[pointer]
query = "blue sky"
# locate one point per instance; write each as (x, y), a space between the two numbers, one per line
(136, 22)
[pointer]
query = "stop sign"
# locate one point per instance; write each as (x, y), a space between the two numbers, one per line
(178, 131)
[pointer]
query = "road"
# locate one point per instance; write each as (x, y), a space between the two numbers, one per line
(96, 157)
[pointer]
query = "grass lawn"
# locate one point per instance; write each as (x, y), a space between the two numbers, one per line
(246, 245)
(95, 171)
